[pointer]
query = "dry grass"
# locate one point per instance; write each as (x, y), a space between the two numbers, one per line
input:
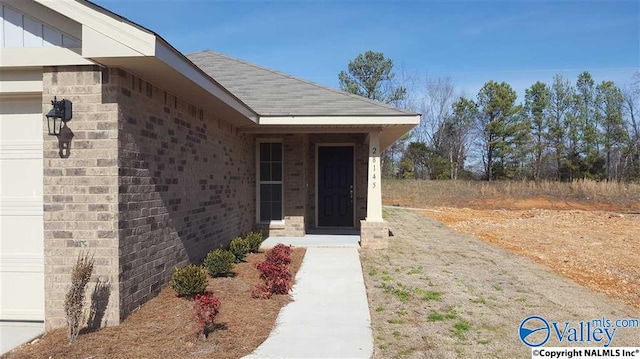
(165, 326)
(438, 293)
(497, 194)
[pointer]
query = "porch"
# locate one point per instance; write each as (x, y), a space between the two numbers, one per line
(315, 241)
(312, 182)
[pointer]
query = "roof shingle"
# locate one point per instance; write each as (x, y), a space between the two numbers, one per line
(273, 93)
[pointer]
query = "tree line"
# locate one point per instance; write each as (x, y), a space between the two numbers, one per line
(561, 131)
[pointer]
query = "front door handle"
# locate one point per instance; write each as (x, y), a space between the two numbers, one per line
(351, 194)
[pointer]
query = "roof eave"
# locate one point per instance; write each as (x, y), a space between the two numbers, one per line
(112, 40)
(345, 120)
(174, 58)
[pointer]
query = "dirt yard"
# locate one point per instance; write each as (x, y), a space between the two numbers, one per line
(597, 249)
(587, 231)
(440, 293)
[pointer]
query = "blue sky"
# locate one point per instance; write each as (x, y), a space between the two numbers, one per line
(519, 42)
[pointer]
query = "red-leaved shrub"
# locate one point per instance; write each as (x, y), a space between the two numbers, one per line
(276, 276)
(280, 254)
(207, 308)
(275, 272)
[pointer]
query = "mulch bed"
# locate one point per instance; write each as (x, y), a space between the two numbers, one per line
(165, 327)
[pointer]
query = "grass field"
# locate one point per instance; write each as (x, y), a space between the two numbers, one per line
(499, 194)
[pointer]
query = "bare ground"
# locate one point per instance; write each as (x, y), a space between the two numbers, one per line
(598, 249)
(165, 326)
(438, 293)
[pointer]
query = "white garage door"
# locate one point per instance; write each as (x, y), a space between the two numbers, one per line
(21, 226)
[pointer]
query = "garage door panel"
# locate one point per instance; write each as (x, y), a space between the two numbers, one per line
(23, 234)
(21, 214)
(22, 302)
(21, 127)
(19, 179)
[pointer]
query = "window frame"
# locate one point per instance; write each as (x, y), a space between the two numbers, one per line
(259, 182)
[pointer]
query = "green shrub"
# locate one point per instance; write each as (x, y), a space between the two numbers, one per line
(188, 281)
(219, 262)
(255, 240)
(239, 247)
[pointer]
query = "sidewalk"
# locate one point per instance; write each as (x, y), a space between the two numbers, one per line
(329, 317)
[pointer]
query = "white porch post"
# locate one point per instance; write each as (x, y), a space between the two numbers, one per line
(374, 184)
(374, 231)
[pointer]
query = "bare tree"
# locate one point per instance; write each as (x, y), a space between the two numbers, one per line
(631, 103)
(436, 107)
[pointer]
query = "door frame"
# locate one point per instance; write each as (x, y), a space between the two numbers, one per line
(336, 144)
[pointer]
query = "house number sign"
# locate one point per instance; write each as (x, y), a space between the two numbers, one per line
(374, 168)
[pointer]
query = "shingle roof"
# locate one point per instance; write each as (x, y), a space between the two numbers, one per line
(273, 93)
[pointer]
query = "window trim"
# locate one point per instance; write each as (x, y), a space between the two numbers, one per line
(272, 223)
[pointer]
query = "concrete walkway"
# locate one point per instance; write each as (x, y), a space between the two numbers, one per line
(329, 317)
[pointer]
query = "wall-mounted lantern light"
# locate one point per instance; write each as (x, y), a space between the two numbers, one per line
(58, 116)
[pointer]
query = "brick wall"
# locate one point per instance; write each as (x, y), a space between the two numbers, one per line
(81, 192)
(151, 182)
(374, 235)
(186, 186)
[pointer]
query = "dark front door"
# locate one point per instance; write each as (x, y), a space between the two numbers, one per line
(335, 186)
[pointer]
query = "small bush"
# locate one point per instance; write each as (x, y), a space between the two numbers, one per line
(255, 240)
(74, 301)
(206, 307)
(219, 262)
(275, 272)
(188, 281)
(280, 254)
(239, 247)
(276, 276)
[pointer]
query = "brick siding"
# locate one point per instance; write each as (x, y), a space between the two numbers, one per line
(186, 186)
(81, 192)
(151, 182)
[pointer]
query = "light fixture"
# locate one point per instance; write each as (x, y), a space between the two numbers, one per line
(58, 116)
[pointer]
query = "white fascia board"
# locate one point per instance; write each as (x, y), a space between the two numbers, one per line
(339, 120)
(169, 56)
(97, 45)
(138, 40)
(41, 56)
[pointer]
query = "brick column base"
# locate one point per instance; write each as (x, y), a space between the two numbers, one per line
(374, 235)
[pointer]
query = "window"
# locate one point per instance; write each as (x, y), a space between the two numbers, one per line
(270, 181)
